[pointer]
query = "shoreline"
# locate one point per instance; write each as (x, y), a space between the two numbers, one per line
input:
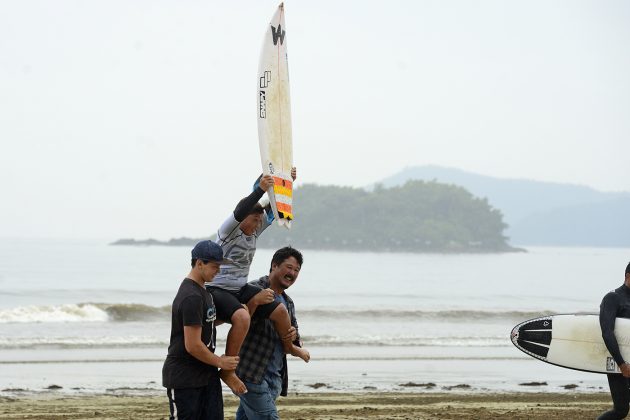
(338, 247)
(320, 406)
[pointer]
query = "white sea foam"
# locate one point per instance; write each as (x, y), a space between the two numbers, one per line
(81, 342)
(408, 340)
(84, 312)
(121, 312)
(54, 313)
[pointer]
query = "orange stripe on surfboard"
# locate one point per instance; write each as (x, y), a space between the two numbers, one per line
(282, 182)
(286, 209)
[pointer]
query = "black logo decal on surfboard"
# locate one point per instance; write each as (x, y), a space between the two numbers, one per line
(262, 104)
(265, 79)
(271, 168)
(277, 34)
(611, 366)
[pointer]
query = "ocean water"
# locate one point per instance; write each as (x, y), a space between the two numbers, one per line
(95, 318)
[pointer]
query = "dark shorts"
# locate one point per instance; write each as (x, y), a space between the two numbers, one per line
(204, 403)
(228, 302)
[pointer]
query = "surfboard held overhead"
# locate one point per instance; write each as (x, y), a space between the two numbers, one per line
(274, 117)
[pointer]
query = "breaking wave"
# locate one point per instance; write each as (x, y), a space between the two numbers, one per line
(84, 342)
(129, 312)
(85, 312)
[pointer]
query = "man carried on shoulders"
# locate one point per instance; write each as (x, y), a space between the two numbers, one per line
(237, 301)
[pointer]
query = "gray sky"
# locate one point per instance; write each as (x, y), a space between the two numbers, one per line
(138, 118)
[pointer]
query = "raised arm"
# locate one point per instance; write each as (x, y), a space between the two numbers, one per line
(247, 204)
(243, 209)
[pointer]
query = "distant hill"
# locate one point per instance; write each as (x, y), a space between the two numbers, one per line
(540, 213)
(595, 224)
(416, 217)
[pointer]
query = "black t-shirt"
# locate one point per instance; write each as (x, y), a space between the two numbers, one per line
(192, 306)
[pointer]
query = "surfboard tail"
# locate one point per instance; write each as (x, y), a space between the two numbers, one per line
(281, 199)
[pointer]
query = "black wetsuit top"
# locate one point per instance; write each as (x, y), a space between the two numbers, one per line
(247, 204)
(616, 304)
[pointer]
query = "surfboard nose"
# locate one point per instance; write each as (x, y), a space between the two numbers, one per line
(533, 336)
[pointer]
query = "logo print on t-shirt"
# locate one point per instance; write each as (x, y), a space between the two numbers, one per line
(211, 315)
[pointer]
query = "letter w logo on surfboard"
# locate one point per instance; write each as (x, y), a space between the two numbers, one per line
(277, 33)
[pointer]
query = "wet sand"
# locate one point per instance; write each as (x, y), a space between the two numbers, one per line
(335, 406)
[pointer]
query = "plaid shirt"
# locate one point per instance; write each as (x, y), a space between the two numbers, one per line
(260, 342)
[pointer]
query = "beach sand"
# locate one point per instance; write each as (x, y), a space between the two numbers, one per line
(335, 406)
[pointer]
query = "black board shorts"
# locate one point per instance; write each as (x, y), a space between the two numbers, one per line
(227, 302)
(204, 402)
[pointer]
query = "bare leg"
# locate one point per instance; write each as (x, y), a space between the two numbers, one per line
(240, 325)
(282, 323)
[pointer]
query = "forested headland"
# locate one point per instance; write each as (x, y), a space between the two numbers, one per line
(418, 216)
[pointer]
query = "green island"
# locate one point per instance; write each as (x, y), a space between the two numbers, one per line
(418, 216)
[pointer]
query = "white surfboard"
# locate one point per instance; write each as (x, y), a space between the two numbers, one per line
(571, 341)
(274, 118)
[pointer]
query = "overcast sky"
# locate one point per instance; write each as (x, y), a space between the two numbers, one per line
(138, 118)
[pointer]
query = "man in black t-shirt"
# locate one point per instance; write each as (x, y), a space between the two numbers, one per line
(190, 372)
(616, 304)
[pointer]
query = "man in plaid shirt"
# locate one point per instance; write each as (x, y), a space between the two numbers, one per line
(263, 362)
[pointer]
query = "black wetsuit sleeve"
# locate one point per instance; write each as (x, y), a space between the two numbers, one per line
(247, 204)
(607, 316)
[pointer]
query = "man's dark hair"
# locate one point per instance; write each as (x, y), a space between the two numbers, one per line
(257, 209)
(193, 261)
(628, 269)
(284, 253)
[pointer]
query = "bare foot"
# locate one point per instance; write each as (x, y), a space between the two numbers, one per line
(301, 353)
(231, 380)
